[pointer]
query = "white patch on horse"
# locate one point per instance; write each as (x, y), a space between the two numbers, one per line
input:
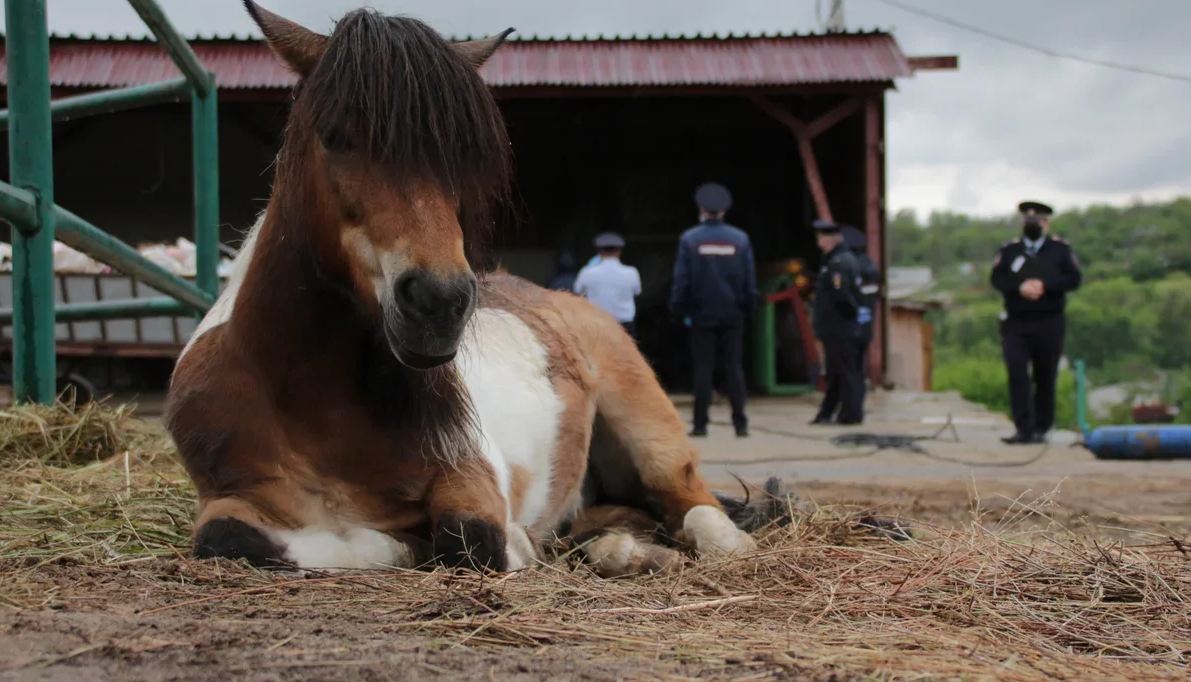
(221, 312)
(618, 553)
(351, 548)
(505, 370)
(711, 532)
(382, 267)
(520, 549)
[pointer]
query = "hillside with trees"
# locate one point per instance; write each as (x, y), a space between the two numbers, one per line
(1130, 322)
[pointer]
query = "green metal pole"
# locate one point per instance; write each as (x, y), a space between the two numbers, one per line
(111, 101)
(17, 206)
(103, 247)
(174, 44)
(766, 347)
(205, 133)
(119, 309)
(31, 166)
(1081, 398)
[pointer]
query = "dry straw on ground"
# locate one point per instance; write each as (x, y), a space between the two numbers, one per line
(1015, 597)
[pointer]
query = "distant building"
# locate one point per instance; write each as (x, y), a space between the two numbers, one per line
(909, 282)
(912, 335)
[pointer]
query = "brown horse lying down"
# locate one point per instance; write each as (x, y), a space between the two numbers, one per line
(358, 397)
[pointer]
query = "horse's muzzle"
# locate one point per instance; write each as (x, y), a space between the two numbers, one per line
(428, 317)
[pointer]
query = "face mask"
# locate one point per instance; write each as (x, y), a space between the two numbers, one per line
(1032, 231)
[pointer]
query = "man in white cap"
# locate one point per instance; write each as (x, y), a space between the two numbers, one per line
(610, 284)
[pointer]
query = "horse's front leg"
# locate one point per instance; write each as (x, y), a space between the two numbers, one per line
(468, 516)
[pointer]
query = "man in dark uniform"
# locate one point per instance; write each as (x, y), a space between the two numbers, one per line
(836, 312)
(870, 286)
(1034, 274)
(715, 288)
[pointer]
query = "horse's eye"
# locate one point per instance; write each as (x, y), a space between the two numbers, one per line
(336, 141)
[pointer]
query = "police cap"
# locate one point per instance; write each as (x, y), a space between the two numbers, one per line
(1035, 208)
(825, 227)
(854, 238)
(713, 197)
(609, 240)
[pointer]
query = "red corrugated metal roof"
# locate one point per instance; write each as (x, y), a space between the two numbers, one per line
(681, 62)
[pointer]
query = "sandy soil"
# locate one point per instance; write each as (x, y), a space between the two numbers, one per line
(175, 619)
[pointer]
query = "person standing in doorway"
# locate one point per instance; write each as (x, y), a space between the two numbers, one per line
(1034, 274)
(870, 288)
(837, 326)
(610, 284)
(714, 290)
(564, 275)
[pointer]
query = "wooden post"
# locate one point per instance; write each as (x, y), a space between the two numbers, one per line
(874, 228)
(805, 134)
(813, 179)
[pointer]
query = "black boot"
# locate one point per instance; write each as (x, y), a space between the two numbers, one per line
(1019, 438)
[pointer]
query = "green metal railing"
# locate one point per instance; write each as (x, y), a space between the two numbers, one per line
(28, 202)
(1081, 398)
(765, 351)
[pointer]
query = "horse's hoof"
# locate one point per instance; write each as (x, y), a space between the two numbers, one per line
(618, 553)
(522, 550)
(463, 542)
(711, 532)
(233, 539)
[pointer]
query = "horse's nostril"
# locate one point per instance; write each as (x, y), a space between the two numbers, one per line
(430, 299)
(414, 293)
(466, 293)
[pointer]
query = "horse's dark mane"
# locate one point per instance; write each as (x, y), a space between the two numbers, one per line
(393, 89)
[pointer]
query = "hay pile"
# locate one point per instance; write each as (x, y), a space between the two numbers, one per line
(824, 595)
(90, 482)
(68, 434)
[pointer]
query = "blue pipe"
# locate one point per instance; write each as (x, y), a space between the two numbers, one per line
(1128, 442)
(1140, 442)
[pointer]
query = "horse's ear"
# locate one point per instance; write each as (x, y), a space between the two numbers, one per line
(478, 51)
(299, 47)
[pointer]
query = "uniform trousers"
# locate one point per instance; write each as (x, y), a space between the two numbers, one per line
(845, 381)
(720, 345)
(1032, 349)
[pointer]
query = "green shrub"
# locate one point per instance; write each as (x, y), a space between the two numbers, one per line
(983, 380)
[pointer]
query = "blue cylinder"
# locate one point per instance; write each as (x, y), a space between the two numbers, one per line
(1140, 442)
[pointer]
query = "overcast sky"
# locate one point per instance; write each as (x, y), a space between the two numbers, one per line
(1009, 124)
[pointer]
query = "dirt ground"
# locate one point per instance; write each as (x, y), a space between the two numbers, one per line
(1010, 575)
(177, 619)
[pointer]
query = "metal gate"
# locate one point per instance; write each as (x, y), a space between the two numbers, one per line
(28, 202)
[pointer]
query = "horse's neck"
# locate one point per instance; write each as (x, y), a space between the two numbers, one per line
(288, 313)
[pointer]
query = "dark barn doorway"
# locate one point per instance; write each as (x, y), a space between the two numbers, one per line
(590, 164)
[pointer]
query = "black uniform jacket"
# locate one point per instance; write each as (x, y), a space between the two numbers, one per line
(837, 296)
(1055, 264)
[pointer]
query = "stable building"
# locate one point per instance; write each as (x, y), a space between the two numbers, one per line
(608, 134)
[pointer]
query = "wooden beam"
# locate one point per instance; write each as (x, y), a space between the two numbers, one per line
(779, 114)
(806, 150)
(940, 62)
(813, 179)
(838, 113)
(874, 229)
